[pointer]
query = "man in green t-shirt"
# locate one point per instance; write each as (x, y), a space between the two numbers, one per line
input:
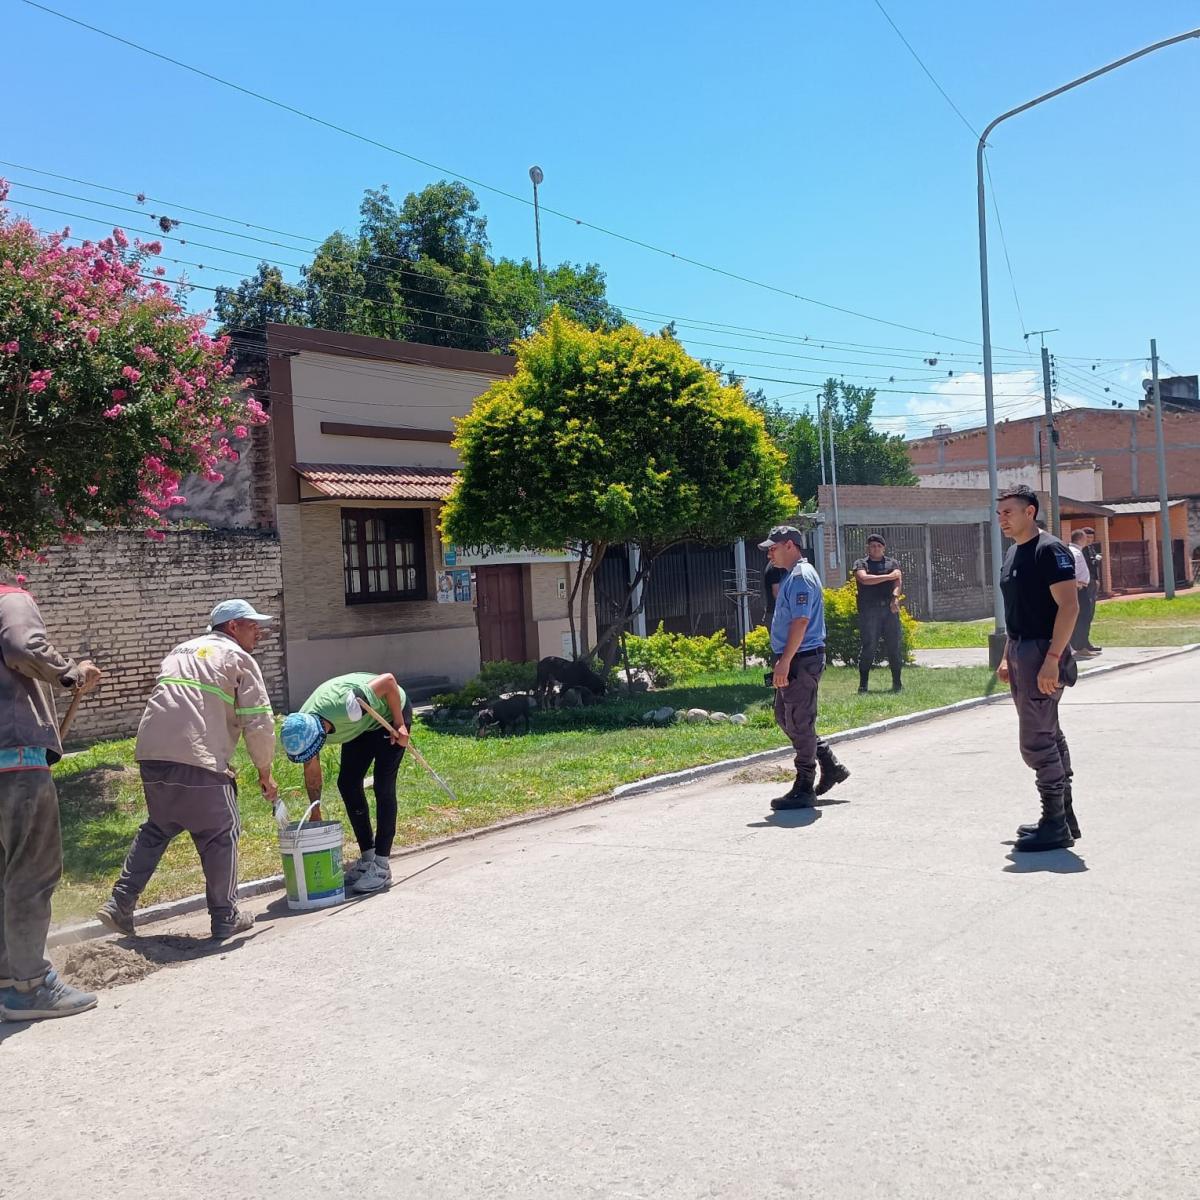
(334, 713)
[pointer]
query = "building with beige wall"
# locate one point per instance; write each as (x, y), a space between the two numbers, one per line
(361, 432)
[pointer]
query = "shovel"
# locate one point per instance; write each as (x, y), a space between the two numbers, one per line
(72, 709)
(411, 749)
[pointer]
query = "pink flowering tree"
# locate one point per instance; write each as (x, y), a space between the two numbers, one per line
(110, 392)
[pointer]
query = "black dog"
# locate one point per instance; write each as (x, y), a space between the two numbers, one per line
(503, 714)
(567, 675)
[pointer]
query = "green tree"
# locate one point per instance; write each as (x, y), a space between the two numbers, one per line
(610, 436)
(264, 296)
(864, 454)
(421, 271)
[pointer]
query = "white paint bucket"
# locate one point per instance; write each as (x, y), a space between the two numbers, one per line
(312, 863)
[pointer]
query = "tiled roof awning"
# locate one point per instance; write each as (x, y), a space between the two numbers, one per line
(341, 482)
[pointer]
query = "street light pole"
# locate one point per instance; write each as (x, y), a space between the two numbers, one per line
(1167, 564)
(996, 641)
(536, 176)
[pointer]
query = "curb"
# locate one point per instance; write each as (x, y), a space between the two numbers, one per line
(87, 930)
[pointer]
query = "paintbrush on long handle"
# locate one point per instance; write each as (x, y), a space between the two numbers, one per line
(413, 751)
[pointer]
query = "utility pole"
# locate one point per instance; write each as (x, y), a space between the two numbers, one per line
(1166, 559)
(1052, 443)
(821, 438)
(837, 526)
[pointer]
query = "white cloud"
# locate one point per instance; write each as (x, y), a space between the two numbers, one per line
(958, 402)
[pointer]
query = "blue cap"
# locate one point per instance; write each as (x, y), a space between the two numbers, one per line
(235, 610)
(302, 736)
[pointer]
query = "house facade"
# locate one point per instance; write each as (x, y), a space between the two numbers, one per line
(362, 461)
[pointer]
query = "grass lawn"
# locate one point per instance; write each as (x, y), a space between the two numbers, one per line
(1147, 622)
(568, 757)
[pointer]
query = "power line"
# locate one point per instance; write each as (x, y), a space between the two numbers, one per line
(478, 281)
(986, 163)
(375, 142)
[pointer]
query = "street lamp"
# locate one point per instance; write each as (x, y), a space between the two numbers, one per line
(996, 642)
(535, 174)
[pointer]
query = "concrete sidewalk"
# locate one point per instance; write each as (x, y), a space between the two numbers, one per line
(977, 656)
(678, 995)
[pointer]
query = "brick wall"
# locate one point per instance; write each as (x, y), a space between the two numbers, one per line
(1122, 444)
(125, 601)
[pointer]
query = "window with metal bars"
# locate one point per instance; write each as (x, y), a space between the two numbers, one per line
(383, 555)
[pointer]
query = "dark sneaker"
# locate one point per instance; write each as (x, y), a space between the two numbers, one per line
(227, 929)
(51, 998)
(112, 916)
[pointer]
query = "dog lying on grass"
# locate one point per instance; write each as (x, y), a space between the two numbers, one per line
(503, 715)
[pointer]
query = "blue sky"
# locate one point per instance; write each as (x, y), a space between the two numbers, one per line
(799, 145)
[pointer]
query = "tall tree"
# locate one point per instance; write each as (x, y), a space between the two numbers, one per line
(422, 271)
(603, 437)
(264, 296)
(864, 454)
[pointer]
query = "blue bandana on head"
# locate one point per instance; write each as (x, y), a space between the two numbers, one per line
(302, 736)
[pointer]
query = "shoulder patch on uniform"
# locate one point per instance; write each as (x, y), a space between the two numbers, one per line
(1063, 558)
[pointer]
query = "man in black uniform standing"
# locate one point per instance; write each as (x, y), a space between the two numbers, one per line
(879, 586)
(1041, 604)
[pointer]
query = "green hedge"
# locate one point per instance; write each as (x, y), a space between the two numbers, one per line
(842, 636)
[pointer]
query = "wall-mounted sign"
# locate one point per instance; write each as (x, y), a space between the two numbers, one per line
(499, 556)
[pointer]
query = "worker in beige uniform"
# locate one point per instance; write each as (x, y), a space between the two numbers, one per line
(31, 858)
(210, 691)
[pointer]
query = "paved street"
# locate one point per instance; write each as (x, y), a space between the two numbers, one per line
(677, 996)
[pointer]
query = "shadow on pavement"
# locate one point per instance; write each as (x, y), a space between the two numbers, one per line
(789, 818)
(1045, 862)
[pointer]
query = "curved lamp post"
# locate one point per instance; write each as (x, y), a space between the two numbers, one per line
(989, 404)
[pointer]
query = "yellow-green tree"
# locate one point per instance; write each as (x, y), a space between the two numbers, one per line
(610, 436)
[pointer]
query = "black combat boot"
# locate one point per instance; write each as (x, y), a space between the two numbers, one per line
(1051, 832)
(800, 795)
(832, 771)
(1068, 812)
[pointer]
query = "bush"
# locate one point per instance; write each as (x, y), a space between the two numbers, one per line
(758, 643)
(842, 635)
(494, 678)
(668, 657)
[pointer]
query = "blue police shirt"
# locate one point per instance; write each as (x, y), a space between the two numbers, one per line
(800, 595)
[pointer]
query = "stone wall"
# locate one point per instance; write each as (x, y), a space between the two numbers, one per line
(125, 601)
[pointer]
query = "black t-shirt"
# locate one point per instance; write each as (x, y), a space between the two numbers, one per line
(771, 577)
(875, 593)
(1025, 579)
(1092, 557)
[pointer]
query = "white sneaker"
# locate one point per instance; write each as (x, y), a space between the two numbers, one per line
(376, 876)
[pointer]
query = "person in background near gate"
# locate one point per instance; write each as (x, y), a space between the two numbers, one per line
(209, 692)
(880, 584)
(772, 578)
(334, 713)
(1093, 556)
(1041, 603)
(31, 857)
(798, 642)
(1083, 582)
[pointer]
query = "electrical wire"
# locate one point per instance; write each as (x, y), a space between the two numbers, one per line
(376, 143)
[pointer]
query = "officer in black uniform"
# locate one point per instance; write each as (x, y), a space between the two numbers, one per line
(880, 584)
(1041, 604)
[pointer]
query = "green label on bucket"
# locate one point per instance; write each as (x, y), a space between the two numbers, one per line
(322, 873)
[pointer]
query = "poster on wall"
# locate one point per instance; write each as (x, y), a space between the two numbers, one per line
(454, 587)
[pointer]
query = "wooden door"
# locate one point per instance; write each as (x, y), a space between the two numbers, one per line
(500, 596)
